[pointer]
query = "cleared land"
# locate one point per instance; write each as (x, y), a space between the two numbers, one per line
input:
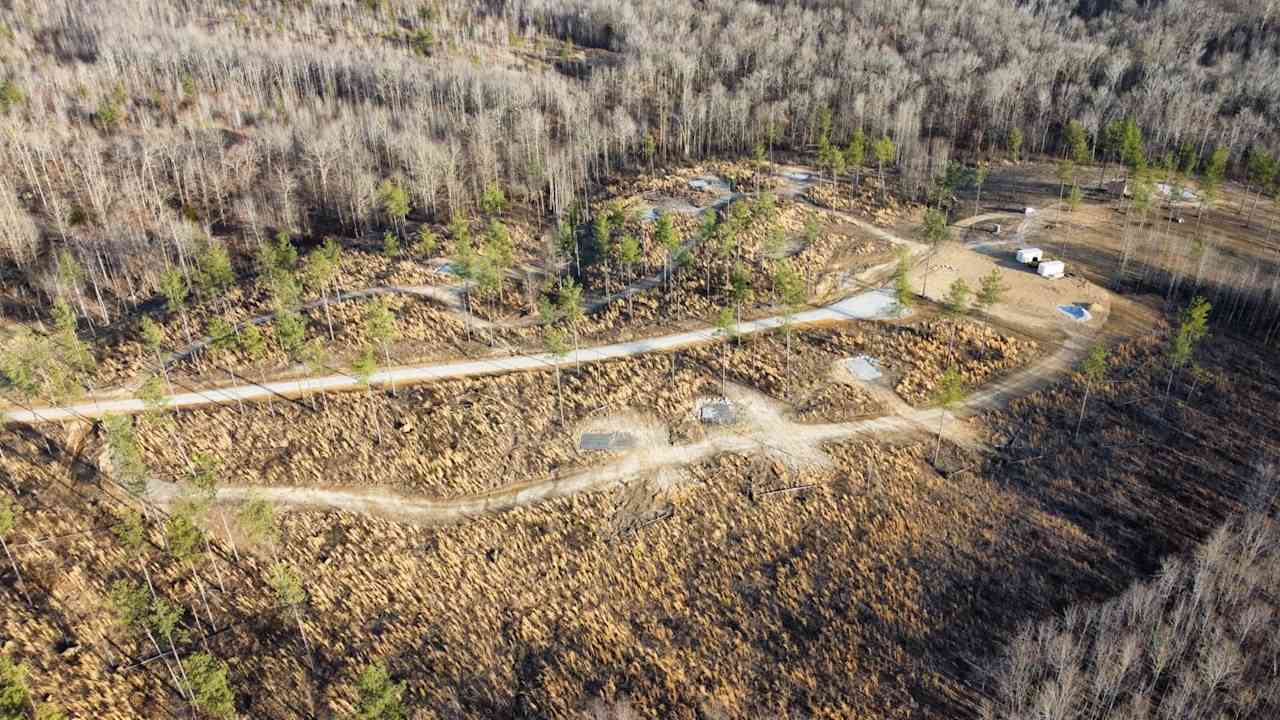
(839, 548)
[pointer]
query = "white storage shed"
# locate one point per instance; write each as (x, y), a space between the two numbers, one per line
(1052, 269)
(1026, 256)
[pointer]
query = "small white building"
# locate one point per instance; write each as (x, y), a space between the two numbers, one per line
(1027, 256)
(1052, 269)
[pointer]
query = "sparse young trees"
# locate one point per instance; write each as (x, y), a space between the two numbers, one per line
(378, 697)
(1261, 171)
(790, 289)
(173, 286)
(136, 609)
(957, 300)
(1132, 148)
(425, 242)
(1192, 328)
(950, 391)
(252, 344)
(979, 179)
(213, 273)
(665, 233)
(257, 520)
(127, 464)
(628, 250)
(571, 309)
(15, 698)
(1014, 142)
(210, 689)
(856, 154)
(553, 340)
(152, 336)
(1077, 143)
(380, 325)
(289, 594)
(11, 96)
(1066, 169)
(991, 290)
(602, 234)
(934, 231)
(724, 329)
(395, 203)
(8, 516)
(1093, 371)
(364, 366)
(73, 361)
(884, 151)
(320, 270)
(740, 290)
(493, 201)
(186, 543)
(290, 331)
(390, 245)
(903, 297)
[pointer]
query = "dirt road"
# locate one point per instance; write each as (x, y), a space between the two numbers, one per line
(870, 305)
(763, 429)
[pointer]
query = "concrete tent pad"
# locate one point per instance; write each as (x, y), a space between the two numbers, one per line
(864, 367)
(607, 441)
(717, 412)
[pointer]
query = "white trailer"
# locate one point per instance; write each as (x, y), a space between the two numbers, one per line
(1052, 269)
(1029, 256)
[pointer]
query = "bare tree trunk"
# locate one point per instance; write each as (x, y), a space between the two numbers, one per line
(559, 394)
(216, 569)
(13, 564)
(203, 598)
(161, 654)
(937, 450)
(230, 539)
(1080, 421)
(328, 318)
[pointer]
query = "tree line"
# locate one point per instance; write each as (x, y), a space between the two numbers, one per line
(132, 136)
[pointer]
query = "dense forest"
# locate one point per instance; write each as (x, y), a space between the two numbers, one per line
(138, 129)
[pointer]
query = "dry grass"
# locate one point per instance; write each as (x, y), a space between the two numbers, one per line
(448, 438)
(872, 589)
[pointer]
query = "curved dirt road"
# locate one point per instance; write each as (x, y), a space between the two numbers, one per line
(765, 430)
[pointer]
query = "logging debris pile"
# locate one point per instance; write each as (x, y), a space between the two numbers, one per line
(801, 378)
(918, 354)
(923, 351)
(864, 200)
